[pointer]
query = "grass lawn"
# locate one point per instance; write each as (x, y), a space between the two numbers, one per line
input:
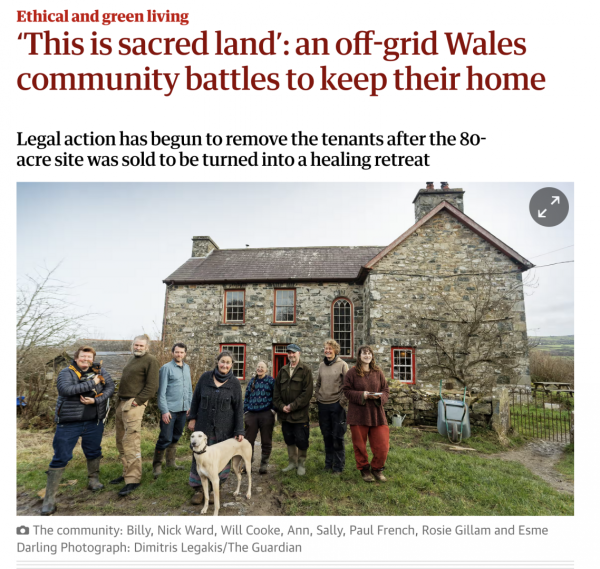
(424, 479)
(566, 465)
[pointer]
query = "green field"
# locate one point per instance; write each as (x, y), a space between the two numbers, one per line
(556, 345)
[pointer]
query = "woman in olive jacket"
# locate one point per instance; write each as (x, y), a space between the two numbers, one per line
(217, 410)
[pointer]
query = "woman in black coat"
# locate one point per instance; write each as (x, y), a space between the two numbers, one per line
(218, 411)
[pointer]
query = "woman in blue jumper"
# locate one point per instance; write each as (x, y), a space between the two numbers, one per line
(259, 413)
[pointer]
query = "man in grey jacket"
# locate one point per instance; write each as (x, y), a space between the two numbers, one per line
(174, 399)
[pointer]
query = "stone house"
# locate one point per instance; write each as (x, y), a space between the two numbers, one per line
(254, 302)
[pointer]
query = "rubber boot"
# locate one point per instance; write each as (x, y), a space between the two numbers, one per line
(49, 505)
(157, 462)
(264, 463)
(93, 467)
(292, 457)
(171, 454)
(302, 462)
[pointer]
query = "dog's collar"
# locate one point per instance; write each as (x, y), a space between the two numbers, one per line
(201, 452)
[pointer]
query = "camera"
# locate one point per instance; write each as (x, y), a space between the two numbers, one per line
(22, 530)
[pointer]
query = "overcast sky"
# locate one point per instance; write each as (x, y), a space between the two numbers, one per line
(117, 242)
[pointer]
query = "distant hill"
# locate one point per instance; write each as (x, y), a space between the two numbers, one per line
(556, 345)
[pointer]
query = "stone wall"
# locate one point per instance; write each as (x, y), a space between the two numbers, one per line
(194, 315)
(443, 246)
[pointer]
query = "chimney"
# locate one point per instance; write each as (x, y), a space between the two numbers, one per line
(429, 198)
(202, 246)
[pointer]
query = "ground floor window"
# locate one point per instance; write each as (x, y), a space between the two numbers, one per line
(403, 365)
(239, 353)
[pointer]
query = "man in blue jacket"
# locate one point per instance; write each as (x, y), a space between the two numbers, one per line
(84, 391)
(174, 400)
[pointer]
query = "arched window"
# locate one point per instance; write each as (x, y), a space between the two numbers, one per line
(341, 325)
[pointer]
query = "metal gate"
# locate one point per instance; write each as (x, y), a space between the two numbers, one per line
(542, 414)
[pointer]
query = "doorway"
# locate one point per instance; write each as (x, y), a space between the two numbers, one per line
(279, 357)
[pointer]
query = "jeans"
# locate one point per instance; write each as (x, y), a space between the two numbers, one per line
(171, 433)
(332, 420)
(67, 435)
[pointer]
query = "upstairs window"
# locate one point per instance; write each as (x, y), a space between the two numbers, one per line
(285, 306)
(403, 365)
(234, 306)
(341, 325)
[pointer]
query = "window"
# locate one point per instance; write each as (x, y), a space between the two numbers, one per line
(341, 325)
(239, 353)
(285, 305)
(234, 306)
(403, 364)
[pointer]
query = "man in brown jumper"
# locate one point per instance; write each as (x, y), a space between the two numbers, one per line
(139, 383)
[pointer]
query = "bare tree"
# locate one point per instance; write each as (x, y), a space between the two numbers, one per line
(47, 322)
(471, 329)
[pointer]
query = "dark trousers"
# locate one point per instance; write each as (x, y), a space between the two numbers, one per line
(296, 434)
(332, 420)
(262, 421)
(67, 435)
(171, 433)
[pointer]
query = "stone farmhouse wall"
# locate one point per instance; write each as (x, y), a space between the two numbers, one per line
(440, 247)
(194, 315)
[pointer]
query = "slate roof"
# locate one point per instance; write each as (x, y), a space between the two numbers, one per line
(294, 264)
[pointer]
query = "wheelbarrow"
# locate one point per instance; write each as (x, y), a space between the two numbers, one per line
(453, 418)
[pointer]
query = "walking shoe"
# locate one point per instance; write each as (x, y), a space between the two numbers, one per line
(170, 457)
(302, 462)
(49, 505)
(378, 475)
(292, 457)
(93, 468)
(157, 462)
(198, 497)
(336, 472)
(128, 489)
(366, 475)
(117, 480)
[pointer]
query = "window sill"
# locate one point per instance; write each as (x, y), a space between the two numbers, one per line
(283, 324)
(232, 324)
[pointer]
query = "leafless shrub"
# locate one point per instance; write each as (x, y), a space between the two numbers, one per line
(469, 333)
(545, 367)
(47, 321)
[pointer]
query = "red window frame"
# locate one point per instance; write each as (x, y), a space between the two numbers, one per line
(225, 346)
(351, 355)
(275, 321)
(243, 320)
(413, 366)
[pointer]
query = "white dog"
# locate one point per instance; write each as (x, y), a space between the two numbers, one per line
(210, 460)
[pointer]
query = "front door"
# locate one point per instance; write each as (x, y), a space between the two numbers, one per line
(279, 357)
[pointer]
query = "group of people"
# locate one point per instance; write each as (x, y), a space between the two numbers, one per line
(354, 397)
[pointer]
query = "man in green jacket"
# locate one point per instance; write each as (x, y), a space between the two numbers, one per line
(138, 384)
(293, 391)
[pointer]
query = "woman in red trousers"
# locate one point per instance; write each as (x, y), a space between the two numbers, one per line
(367, 391)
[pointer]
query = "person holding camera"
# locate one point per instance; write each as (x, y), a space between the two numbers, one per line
(84, 391)
(367, 392)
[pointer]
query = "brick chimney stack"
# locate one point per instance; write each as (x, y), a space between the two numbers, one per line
(429, 197)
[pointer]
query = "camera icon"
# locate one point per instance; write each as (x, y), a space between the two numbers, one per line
(22, 530)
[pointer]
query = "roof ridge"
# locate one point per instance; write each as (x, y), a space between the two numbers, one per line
(306, 247)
